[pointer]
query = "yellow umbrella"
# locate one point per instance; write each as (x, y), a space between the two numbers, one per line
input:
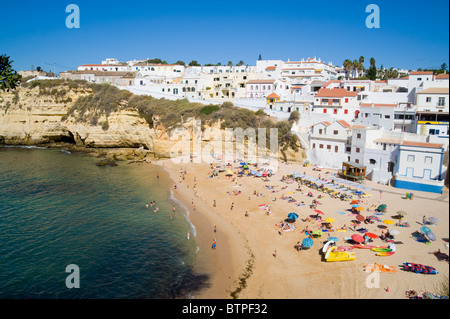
(329, 220)
(228, 172)
(388, 222)
(359, 209)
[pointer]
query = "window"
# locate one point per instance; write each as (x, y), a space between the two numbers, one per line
(336, 149)
(321, 146)
(387, 116)
(335, 111)
(324, 110)
(428, 160)
(428, 99)
(357, 150)
(372, 161)
(411, 158)
(441, 101)
(348, 149)
(346, 100)
(357, 161)
(335, 132)
(314, 145)
(345, 111)
(328, 147)
(358, 135)
(320, 131)
(432, 132)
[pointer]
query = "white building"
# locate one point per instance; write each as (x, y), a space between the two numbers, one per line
(420, 167)
(337, 103)
(432, 112)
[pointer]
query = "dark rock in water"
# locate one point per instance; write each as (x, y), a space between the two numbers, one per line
(107, 162)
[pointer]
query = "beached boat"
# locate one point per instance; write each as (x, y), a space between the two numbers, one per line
(333, 255)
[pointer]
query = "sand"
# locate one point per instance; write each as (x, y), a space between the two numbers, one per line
(244, 264)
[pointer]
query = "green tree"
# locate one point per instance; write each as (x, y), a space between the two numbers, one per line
(180, 63)
(361, 60)
(9, 79)
(230, 63)
(241, 63)
(194, 63)
(295, 116)
(260, 58)
(372, 71)
(348, 66)
(444, 66)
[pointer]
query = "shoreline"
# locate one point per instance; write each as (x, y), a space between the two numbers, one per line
(224, 264)
(253, 271)
(244, 266)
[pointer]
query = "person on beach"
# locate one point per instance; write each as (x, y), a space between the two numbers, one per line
(246, 213)
(232, 205)
(214, 204)
(215, 229)
(214, 244)
(146, 205)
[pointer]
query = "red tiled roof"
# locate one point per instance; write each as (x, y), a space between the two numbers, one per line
(326, 123)
(421, 73)
(323, 92)
(330, 82)
(271, 68)
(442, 76)
(344, 123)
(419, 144)
(273, 96)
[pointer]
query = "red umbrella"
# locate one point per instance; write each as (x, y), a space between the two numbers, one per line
(357, 238)
(371, 235)
(360, 218)
(318, 211)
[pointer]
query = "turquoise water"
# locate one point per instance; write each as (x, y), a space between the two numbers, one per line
(58, 209)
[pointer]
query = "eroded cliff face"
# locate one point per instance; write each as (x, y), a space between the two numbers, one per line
(31, 116)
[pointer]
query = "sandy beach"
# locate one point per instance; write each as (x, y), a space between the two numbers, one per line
(255, 259)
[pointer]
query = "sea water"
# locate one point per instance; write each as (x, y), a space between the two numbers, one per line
(59, 209)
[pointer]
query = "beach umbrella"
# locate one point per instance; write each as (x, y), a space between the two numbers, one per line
(433, 220)
(319, 212)
(332, 239)
(371, 235)
(293, 216)
(228, 173)
(394, 232)
(360, 218)
(401, 213)
(359, 209)
(357, 238)
(245, 166)
(382, 207)
(388, 222)
(355, 206)
(329, 220)
(307, 242)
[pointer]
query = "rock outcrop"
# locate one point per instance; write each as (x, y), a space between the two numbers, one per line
(33, 116)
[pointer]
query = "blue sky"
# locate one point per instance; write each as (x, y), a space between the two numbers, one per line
(412, 34)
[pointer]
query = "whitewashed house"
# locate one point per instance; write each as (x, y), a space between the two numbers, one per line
(420, 167)
(329, 143)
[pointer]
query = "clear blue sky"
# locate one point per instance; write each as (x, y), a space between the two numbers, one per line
(413, 33)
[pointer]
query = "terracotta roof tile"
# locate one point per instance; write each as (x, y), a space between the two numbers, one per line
(323, 92)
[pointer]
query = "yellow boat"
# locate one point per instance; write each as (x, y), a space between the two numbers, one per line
(333, 255)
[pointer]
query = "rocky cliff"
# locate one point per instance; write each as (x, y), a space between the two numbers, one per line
(34, 115)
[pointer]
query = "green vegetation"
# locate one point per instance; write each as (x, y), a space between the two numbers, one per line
(9, 79)
(104, 99)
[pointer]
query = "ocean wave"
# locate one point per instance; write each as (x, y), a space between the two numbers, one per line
(185, 210)
(31, 147)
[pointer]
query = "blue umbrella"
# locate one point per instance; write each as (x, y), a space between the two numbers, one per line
(307, 242)
(293, 216)
(332, 239)
(354, 205)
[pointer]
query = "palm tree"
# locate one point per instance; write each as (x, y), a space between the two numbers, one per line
(348, 66)
(230, 63)
(361, 59)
